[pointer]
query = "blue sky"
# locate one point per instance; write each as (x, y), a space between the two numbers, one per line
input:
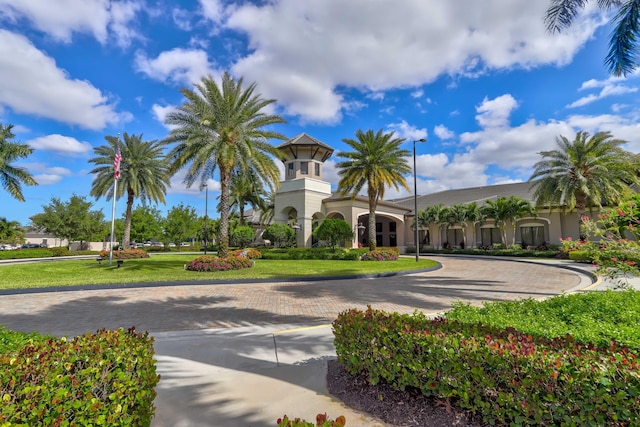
(482, 81)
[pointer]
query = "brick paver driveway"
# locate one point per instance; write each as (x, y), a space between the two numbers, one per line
(172, 308)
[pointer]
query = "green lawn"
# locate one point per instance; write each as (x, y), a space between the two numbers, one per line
(164, 268)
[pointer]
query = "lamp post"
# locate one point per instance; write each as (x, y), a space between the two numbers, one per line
(206, 215)
(358, 229)
(296, 227)
(415, 197)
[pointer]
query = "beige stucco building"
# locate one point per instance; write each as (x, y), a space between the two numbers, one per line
(304, 199)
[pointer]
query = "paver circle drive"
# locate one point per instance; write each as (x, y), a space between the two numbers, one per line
(219, 305)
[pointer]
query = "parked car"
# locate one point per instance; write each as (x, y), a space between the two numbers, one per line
(185, 244)
(172, 245)
(157, 244)
(30, 245)
(7, 247)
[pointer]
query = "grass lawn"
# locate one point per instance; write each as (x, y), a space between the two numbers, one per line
(164, 268)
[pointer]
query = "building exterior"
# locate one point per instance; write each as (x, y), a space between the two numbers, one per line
(304, 199)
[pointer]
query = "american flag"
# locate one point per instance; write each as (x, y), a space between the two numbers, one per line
(116, 164)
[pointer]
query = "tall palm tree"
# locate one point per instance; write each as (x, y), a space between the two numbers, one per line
(376, 161)
(224, 127)
(144, 173)
(12, 177)
(459, 214)
(622, 58)
(267, 211)
(584, 172)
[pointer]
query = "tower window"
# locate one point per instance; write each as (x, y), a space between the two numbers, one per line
(317, 169)
(304, 168)
(290, 169)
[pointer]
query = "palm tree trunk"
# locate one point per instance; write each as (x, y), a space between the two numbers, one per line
(225, 180)
(126, 244)
(372, 218)
(581, 209)
(241, 207)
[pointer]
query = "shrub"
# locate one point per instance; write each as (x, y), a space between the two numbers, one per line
(279, 234)
(321, 421)
(242, 236)
(333, 231)
(246, 253)
(126, 254)
(210, 263)
(12, 340)
(339, 254)
(106, 378)
(504, 375)
(381, 254)
(59, 251)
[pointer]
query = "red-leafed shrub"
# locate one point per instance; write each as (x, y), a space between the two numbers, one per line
(210, 263)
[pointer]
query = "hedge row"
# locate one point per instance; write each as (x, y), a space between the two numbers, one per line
(107, 378)
(505, 376)
(312, 253)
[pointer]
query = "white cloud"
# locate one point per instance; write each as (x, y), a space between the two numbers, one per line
(495, 112)
(177, 185)
(407, 131)
(31, 83)
(160, 113)
(442, 132)
(60, 144)
(181, 66)
(61, 18)
(610, 87)
(298, 54)
(417, 93)
(45, 175)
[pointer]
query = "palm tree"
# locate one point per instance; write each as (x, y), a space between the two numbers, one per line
(622, 57)
(584, 172)
(245, 188)
(12, 177)
(377, 161)
(436, 214)
(459, 214)
(268, 208)
(517, 208)
(144, 173)
(10, 231)
(498, 210)
(223, 128)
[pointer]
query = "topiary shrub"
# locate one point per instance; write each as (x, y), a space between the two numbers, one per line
(210, 263)
(246, 253)
(59, 251)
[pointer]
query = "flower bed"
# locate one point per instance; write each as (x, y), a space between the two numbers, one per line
(246, 253)
(126, 254)
(209, 263)
(381, 254)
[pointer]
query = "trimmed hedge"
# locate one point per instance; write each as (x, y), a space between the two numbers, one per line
(107, 378)
(503, 375)
(126, 254)
(339, 254)
(210, 263)
(381, 254)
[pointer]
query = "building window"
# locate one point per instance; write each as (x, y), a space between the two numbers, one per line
(290, 171)
(304, 168)
(532, 236)
(378, 227)
(392, 227)
(317, 169)
(490, 236)
(454, 237)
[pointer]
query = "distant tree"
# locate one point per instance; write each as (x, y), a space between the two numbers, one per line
(585, 172)
(11, 177)
(212, 227)
(243, 236)
(333, 231)
(622, 58)
(459, 214)
(377, 161)
(224, 127)
(279, 234)
(11, 232)
(498, 210)
(144, 173)
(146, 223)
(268, 208)
(181, 224)
(72, 220)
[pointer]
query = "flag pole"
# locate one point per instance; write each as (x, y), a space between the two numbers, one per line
(116, 173)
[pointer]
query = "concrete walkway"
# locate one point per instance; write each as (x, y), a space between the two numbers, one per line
(246, 354)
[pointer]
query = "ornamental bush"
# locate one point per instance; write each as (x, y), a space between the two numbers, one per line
(210, 263)
(246, 253)
(503, 375)
(126, 254)
(321, 421)
(107, 378)
(381, 254)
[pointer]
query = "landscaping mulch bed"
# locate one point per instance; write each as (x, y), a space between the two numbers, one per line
(394, 407)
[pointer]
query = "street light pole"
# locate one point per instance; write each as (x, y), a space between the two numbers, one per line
(206, 215)
(415, 198)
